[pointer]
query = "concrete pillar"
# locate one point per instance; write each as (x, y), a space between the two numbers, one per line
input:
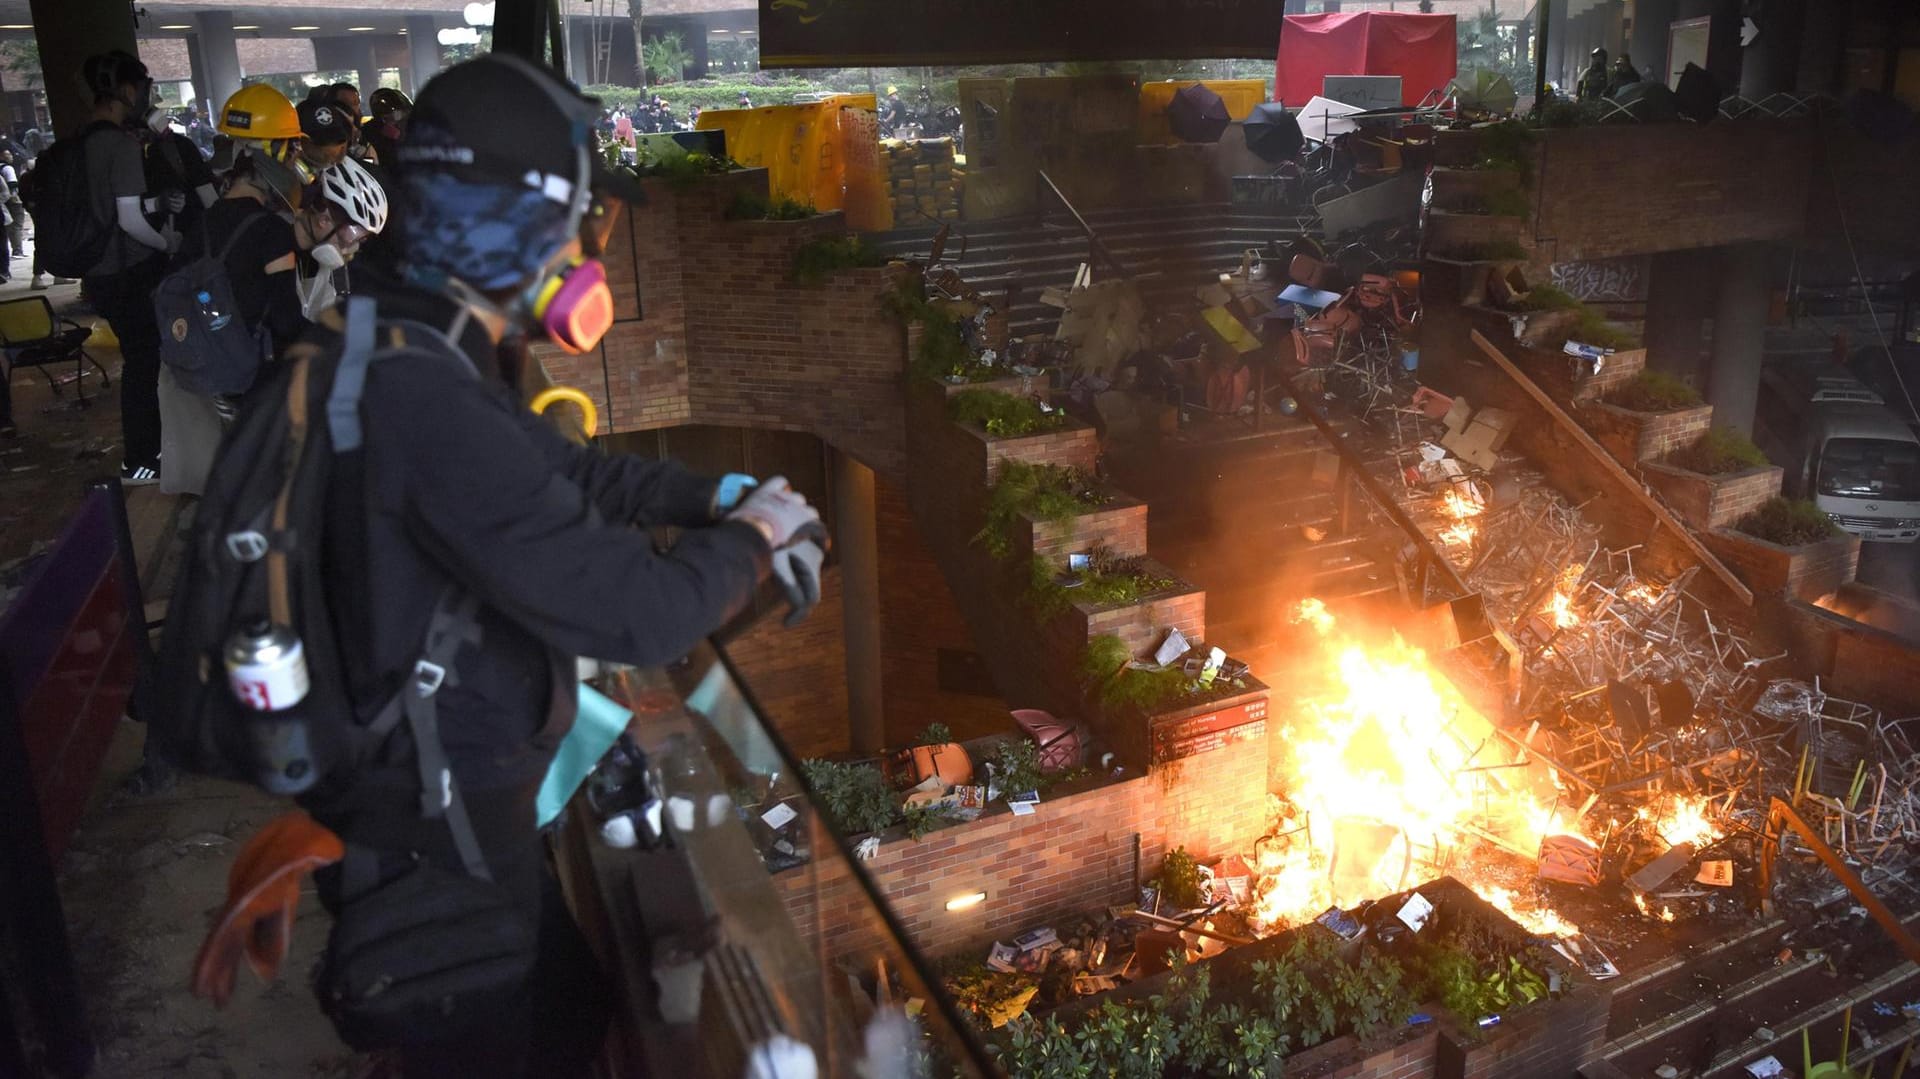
(67, 32)
(858, 544)
(197, 71)
(423, 54)
(1723, 44)
(1772, 63)
(219, 54)
(1680, 299)
(353, 53)
(1556, 58)
(1823, 49)
(1739, 335)
(1648, 42)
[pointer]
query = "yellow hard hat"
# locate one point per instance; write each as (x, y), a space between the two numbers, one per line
(893, 89)
(258, 111)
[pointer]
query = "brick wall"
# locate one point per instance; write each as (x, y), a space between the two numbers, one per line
(1080, 852)
(1633, 437)
(1708, 502)
(918, 619)
(798, 674)
(1796, 572)
(1467, 189)
(1546, 1040)
(1631, 188)
(1450, 231)
(1120, 526)
(707, 334)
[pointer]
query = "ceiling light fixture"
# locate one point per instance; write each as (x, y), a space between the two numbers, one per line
(16, 26)
(963, 902)
(241, 28)
(182, 26)
(303, 28)
(358, 29)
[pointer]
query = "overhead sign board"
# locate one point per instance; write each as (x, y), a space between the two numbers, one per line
(874, 33)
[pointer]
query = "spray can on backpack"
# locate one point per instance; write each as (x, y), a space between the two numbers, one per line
(267, 671)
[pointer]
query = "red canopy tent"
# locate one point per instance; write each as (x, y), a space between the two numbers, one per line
(1418, 48)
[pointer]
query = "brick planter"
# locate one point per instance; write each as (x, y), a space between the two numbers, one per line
(1807, 572)
(1633, 437)
(1141, 625)
(1467, 189)
(1073, 446)
(1449, 230)
(1120, 526)
(1709, 502)
(1017, 385)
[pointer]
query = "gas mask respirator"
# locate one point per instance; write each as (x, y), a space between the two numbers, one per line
(572, 304)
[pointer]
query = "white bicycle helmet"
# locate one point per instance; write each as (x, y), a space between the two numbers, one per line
(348, 185)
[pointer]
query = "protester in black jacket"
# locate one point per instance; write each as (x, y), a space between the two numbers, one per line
(459, 487)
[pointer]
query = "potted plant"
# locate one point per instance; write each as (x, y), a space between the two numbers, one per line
(855, 796)
(1788, 548)
(934, 754)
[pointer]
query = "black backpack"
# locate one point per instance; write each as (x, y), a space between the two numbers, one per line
(69, 238)
(254, 555)
(203, 339)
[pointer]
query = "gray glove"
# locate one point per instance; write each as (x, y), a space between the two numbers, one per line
(777, 510)
(797, 568)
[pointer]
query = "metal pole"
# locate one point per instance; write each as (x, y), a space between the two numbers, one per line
(1540, 56)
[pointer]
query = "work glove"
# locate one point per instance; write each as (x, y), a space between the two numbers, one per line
(797, 567)
(733, 487)
(777, 510)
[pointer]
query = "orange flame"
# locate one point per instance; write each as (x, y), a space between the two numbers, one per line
(1389, 771)
(1560, 607)
(1460, 511)
(1683, 819)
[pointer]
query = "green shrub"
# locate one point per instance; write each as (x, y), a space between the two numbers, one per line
(1179, 880)
(818, 259)
(936, 734)
(753, 206)
(1106, 582)
(1103, 659)
(1789, 522)
(1655, 391)
(1549, 298)
(1048, 493)
(1002, 415)
(921, 819)
(1721, 451)
(855, 796)
(1016, 766)
(1507, 145)
(680, 171)
(1565, 112)
(1594, 329)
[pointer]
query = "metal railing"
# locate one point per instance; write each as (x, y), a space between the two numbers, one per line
(1098, 251)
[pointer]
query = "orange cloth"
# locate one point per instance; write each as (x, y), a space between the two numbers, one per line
(263, 888)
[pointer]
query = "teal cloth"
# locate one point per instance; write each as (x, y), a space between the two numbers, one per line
(598, 724)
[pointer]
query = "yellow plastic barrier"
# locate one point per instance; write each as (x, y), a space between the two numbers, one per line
(1241, 95)
(825, 153)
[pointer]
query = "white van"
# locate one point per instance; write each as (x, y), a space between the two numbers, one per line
(1842, 447)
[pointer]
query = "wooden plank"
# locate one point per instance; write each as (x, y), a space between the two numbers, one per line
(1614, 469)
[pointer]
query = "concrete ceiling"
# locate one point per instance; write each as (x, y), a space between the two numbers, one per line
(277, 18)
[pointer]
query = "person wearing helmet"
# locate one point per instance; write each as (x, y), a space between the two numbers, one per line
(462, 490)
(383, 131)
(1593, 81)
(121, 284)
(351, 209)
(893, 111)
(266, 147)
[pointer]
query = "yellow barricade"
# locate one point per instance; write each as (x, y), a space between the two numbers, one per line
(826, 153)
(1241, 95)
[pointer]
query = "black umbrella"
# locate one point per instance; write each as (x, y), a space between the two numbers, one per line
(1650, 102)
(1273, 133)
(1197, 114)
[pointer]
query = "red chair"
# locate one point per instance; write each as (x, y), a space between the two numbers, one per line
(1062, 744)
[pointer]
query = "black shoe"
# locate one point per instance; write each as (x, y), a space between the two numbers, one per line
(140, 475)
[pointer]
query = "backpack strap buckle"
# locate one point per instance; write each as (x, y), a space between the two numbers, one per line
(428, 677)
(247, 546)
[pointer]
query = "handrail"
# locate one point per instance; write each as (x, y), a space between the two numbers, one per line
(1778, 812)
(1094, 243)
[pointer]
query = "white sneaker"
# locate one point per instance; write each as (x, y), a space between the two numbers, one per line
(139, 475)
(41, 282)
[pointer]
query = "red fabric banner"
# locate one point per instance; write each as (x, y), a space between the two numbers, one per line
(1418, 48)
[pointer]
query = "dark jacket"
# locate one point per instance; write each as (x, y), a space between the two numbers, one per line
(462, 485)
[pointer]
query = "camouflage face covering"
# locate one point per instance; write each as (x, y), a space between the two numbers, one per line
(491, 236)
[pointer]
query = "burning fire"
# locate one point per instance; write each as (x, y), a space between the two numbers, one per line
(1683, 819)
(1461, 511)
(1389, 772)
(1560, 607)
(1640, 902)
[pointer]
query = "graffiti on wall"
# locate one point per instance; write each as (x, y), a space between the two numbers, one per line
(1621, 280)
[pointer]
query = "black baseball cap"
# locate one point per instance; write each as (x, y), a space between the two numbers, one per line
(500, 118)
(324, 123)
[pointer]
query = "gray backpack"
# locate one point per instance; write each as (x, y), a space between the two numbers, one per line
(209, 347)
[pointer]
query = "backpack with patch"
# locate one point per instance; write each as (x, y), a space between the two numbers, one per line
(203, 340)
(69, 237)
(254, 568)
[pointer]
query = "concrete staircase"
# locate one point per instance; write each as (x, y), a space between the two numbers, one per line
(1232, 513)
(1170, 250)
